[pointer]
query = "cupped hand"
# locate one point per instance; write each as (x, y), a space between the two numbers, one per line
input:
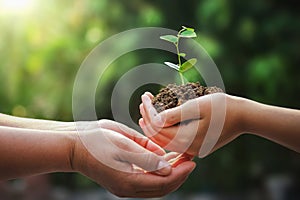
(127, 163)
(207, 122)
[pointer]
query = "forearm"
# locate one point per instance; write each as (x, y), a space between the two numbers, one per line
(280, 125)
(20, 122)
(26, 152)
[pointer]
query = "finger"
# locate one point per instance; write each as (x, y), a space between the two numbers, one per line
(154, 182)
(143, 112)
(149, 95)
(187, 111)
(162, 134)
(150, 112)
(191, 157)
(184, 138)
(153, 130)
(144, 159)
(180, 159)
(147, 128)
(133, 135)
(149, 132)
(160, 186)
(171, 155)
(120, 128)
(175, 138)
(176, 159)
(158, 138)
(147, 121)
(190, 110)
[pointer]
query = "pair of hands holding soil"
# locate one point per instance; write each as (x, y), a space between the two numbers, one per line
(116, 156)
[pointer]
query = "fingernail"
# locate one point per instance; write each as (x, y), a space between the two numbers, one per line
(147, 93)
(164, 168)
(146, 98)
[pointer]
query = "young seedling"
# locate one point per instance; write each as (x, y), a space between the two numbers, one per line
(185, 32)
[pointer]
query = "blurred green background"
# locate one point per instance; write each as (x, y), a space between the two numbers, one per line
(255, 44)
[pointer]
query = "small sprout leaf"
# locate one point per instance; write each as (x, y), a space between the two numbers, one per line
(172, 65)
(188, 34)
(188, 65)
(169, 38)
(187, 28)
(182, 54)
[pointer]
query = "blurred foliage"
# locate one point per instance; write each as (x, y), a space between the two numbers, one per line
(254, 43)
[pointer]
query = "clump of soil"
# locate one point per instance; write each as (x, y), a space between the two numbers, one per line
(174, 95)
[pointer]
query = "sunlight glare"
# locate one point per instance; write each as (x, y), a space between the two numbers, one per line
(16, 6)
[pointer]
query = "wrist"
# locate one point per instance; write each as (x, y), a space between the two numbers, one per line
(74, 143)
(248, 111)
(237, 107)
(65, 155)
(78, 154)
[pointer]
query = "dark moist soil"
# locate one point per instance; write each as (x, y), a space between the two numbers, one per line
(175, 95)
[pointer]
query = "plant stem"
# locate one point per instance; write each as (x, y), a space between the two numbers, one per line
(178, 56)
(177, 49)
(179, 60)
(182, 78)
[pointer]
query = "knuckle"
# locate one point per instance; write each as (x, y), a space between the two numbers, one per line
(171, 117)
(150, 162)
(102, 122)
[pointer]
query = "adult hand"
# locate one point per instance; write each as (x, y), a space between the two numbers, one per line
(126, 163)
(184, 128)
(115, 156)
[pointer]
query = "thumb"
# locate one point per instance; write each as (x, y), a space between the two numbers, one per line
(146, 160)
(188, 111)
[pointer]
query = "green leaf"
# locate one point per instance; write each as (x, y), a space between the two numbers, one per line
(172, 65)
(182, 55)
(188, 65)
(169, 38)
(188, 34)
(187, 28)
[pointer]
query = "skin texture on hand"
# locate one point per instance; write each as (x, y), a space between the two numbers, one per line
(188, 137)
(26, 152)
(126, 162)
(242, 116)
(42, 124)
(37, 124)
(130, 184)
(280, 125)
(125, 156)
